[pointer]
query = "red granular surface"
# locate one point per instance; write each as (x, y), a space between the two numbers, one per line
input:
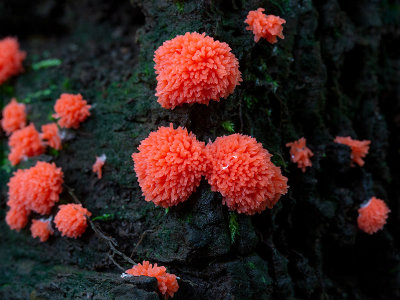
(17, 218)
(169, 165)
(14, 116)
(194, 68)
(359, 149)
(264, 26)
(372, 216)
(242, 171)
(43, 187)
(35, 189)
(300, 153)
(24, 143)
(51, 135)
(72, 110)
(71, 220)
(167, 283)
(41, 229)
(17, 189)
(10, 58)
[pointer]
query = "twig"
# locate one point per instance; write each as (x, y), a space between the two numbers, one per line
(111, 257)
(111, 241)
(128, 259)
(141, 239)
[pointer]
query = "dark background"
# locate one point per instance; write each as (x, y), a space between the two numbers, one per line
(337, 72)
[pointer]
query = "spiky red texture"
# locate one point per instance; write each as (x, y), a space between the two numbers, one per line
(71, 220)
(242, 171)
(167, 283)
(36, 189)
(24, 142)
(14, 116)
(169, 165)
(194, 68)
(17, 218)
(359, 149)
(41, 229)
(51, 134)
(17, 189)
(43, 187)
(72, 110)
(265, 26)
(10, 58)
(372, 216)
(300, 153)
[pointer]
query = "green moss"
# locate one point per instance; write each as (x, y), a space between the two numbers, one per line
(228, 126)
(180, 6)
(104, 217)
(233, 226)
(283, 5)
(47, 63)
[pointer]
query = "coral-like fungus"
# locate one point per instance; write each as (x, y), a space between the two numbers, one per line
(17, 218)
(169, 165)
(372, 215)
(36, 189)
(17, 189)
(194, 68)
(264, 26)
(43, 187)
(10, 58)
(51, 134)
(41, 229)
(359, 149)
(98, 165)
(72, 110)
(14, 116)
(242, 171)
(167, 283)
(71, 220)
(24, 143)
(300, 153)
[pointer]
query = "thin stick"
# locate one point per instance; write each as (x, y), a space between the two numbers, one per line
(111, 257)
(111, 241)
(141, 239)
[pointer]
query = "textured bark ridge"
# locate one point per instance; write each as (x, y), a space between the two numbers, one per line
(337, 72)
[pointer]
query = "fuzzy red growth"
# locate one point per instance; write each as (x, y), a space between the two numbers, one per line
(17, 218)
(72, 110)
(71, 220)
(41, 229)
(359, 149)
(98, 165)
(372, 216)
(43, 187)
(10, 58)
(300, 153)
(194, 68)
(169, 165)
(24, 143)
(36, 189)
(167, 283)
(14, 116)
(242, 171)
(264, 26)
(51, 134)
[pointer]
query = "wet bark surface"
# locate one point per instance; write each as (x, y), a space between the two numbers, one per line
(337, 72)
